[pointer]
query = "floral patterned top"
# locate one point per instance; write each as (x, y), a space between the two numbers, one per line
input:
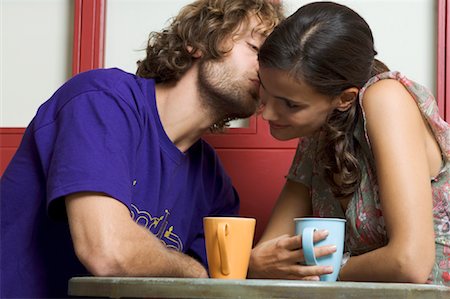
(365, 229)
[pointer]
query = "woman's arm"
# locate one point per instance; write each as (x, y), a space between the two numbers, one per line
(109, 243)
(397, 133)
(278, 253)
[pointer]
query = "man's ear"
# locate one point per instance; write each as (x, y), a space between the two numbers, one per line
(347, 98)
(196, 54)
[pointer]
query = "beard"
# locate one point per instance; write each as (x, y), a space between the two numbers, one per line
(224, 93)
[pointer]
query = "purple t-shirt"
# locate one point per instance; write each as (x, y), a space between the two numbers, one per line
(101, 132)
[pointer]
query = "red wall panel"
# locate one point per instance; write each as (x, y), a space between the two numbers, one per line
(242, 138)
(9, 141)
(89, 35)
(258, 175)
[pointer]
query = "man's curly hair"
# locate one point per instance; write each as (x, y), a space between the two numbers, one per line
(201, 26)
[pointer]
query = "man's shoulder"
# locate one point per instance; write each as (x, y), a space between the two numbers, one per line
(99, 87)
(102, 79)
(103, 72)
(112, 83)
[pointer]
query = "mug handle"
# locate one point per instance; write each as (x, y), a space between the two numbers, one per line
(308, 246)
(222, 232)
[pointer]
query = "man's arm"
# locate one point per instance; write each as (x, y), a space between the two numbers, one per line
(109, 243)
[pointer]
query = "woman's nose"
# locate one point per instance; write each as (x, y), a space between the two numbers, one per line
(268, 112)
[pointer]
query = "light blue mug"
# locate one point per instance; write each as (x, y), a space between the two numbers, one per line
(336, 228)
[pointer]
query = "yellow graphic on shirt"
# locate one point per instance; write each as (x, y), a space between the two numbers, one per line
(159, 226)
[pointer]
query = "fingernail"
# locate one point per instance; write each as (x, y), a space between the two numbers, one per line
(324, 232)
(329, 269)
(333, 247)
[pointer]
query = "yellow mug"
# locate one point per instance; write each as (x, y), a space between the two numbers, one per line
(229, 243)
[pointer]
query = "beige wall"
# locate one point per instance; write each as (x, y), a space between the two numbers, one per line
(36, 53)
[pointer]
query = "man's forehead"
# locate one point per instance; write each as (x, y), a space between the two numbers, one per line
(253, 26)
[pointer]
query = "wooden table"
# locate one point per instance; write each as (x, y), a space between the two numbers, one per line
(140, 287)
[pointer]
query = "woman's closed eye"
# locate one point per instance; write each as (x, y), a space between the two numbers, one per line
(291, 105)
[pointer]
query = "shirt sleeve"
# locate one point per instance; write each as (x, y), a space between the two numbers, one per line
(302, 165)
(94, 137)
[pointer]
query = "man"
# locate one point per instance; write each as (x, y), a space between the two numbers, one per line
(108, 145)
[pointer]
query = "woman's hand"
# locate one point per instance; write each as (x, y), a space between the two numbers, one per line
(282, 258)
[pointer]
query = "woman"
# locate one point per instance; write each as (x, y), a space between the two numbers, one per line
(373, 150)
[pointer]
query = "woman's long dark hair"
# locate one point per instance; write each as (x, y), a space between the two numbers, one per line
(329, 47)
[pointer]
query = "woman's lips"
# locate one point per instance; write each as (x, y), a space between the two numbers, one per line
(277, 126)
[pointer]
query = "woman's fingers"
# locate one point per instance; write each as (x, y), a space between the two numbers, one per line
(291, 243)
(298, 257)
(309, 272)
(324, 250)
(294, 247)
(311, 278)
(283, 257)
(295, 242)
(320, 235)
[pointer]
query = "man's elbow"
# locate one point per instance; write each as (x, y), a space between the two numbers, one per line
(102, 262)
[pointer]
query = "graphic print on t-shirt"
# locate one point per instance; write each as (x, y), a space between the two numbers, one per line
(159, 226)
